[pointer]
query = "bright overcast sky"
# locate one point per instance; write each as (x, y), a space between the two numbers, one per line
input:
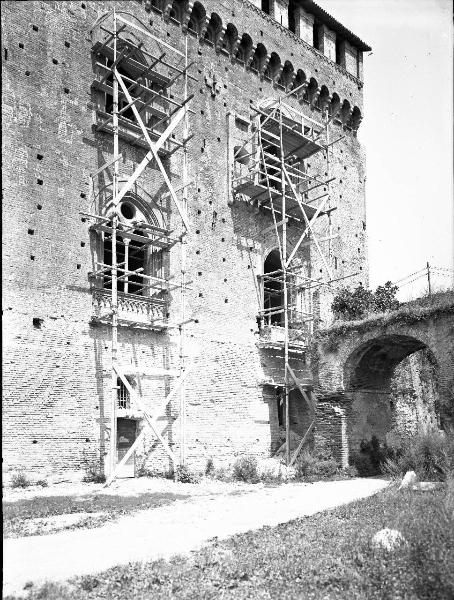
(407, 132)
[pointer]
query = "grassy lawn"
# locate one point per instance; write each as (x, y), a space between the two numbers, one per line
(327, 556)
(18, 515)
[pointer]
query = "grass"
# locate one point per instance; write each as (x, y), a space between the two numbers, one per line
(327, 556)
(18, 514)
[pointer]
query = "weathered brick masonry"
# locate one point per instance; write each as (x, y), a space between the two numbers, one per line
(56, 364)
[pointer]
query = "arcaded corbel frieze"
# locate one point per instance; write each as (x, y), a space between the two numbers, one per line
(346, 117)
(325, 102)
(204, 27)
(356, 122)
(219, 41)
(292, 78)
(235, 45)
(315, 98)
(248, 59)
(166, 10)
(276, 77)
(186, 17)
(264, 66)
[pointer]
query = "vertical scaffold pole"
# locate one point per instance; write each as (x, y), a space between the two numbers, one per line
(113, 417)
(183, 271)
(284, 277)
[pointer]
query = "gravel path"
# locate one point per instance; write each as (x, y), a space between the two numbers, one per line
(175, 529)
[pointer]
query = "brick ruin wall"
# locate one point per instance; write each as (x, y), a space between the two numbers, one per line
(56, 365)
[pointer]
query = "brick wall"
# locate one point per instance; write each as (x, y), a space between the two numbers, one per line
(57, 365)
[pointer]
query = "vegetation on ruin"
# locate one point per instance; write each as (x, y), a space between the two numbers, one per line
(18, 515)
(329, 555)
(355, 304)
(410, 313)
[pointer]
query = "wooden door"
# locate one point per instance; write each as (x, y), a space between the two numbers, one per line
(126, 435)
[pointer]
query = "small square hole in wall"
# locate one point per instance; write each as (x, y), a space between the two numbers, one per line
(31, 232)
(39, 181)
(200, 295)
(223, 260)
(35, 28)
(21, 45)
(32, 257)
(39, 156)
(82, 244)
(55, 61)
(82, 195)
(27, 73)
(78, 266)
(37, 322)
(39, 206)
(67, 44)
(66, 90)
(83, 5)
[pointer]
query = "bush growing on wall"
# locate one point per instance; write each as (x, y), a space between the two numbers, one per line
(355, 304)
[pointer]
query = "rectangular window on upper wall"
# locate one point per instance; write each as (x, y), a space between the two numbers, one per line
(316, 36)
(266, 6)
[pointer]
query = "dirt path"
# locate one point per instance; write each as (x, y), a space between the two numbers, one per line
(175, 529)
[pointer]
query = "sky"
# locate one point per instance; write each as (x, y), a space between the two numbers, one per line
(407, 132)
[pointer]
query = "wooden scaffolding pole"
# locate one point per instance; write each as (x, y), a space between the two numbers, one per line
(114, 305)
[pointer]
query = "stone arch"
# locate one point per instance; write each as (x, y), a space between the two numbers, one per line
(375, 410)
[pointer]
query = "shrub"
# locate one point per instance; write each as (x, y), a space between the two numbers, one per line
(372, 457)
(42, 482)
(355, 304)
(245, 469)
(20, 480)
(311, 465)
(184, 475)
(429, 454)
(209, 469)
(363, 464)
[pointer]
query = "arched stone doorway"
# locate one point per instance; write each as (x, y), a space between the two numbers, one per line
(392, 384)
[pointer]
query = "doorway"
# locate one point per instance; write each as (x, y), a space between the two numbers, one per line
(126, 436)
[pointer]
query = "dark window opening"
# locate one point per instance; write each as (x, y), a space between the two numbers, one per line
(266, 6)
(338, 51)
(316, 36)
(291, 18)
(273, 297)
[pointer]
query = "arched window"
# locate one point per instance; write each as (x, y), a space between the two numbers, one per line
(133, 251)
(287, 74)
(273, 295)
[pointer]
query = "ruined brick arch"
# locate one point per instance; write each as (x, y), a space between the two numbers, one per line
(372, 363)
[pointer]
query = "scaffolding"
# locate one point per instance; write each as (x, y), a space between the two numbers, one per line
(144, 83)
(269, 169)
